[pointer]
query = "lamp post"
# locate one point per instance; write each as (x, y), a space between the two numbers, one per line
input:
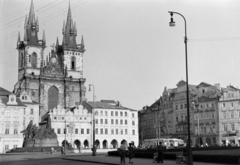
(198, 132)
(172, 23)
(93, 116)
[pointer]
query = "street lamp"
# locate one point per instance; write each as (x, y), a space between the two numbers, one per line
(93, 121)
(171, 24)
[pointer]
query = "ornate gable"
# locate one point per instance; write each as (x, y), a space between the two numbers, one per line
(53, 67)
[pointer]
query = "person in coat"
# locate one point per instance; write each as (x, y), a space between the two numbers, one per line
(123, 149)
(160, 149)
(131, 153)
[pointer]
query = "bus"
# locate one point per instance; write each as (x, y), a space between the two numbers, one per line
(167, 142)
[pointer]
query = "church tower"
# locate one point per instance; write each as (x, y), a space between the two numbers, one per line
(30, 50)
(56, 80)
(30, 55)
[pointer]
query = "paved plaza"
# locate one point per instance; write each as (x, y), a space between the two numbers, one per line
(74, 159)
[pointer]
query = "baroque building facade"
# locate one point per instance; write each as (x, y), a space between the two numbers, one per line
(214, 115)
(229, 115)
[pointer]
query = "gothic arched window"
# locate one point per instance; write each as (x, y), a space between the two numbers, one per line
(73, 63)
(34, 60)
(53, 95)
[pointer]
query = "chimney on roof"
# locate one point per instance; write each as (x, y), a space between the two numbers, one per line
(218, 86)
(118, 103)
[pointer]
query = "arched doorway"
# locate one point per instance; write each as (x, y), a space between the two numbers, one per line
(208, 141)
(114, 143)
(67, 144)
(97, 143)
(52, 97)
(86, 144)
(123, 141)
(105, 144)
(77, 143)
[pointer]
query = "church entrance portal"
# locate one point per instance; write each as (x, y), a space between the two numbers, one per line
(52, 97)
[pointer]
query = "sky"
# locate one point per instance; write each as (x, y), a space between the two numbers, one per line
(131, 52)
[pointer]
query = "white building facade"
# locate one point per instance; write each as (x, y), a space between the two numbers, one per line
(78, 126)
(16, 113)
(114, 124)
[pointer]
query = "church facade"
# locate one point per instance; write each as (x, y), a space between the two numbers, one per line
(55, 79)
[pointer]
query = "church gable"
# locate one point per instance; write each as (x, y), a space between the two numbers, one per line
(53, 67)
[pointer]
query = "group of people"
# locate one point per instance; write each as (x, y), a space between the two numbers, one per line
(123, 151)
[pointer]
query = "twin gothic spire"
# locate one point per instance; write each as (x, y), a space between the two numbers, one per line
(69, 31)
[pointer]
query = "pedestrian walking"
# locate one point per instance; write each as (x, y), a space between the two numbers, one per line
(130, 153)
(62, 150)
(122, 152)
(160, 149)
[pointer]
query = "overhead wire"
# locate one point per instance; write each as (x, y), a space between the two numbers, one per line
(16, 12)
(14, 34)
(214, 39)
(22, 17)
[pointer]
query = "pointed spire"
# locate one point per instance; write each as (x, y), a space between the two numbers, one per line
(71, 27)
(63, 29)
(26, 21)
(75, 29)
(43, 37)
(18, 40)
(31, 14)
(37, 25)
(63, 41)
(25, 35)
(57, 43)
(82, 45)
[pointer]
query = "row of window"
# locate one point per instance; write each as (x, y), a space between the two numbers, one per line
(112, 113)
(112, 121)
(7, 130)
(230, 105)
(230, 114)
(113, 131)
(205, 129)
(75, 131)
(62, 118)
(205, 115)
(230, 127)
(76, 53)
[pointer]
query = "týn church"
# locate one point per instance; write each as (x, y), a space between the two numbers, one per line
(54, 84)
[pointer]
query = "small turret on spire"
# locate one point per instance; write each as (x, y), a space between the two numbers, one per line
(25, 36)
(63, 41)
(57, 43)
(26, 21)
(37, 25)
(71, 28)
(82, 45)
(18, 40)
(63, 29)
(43, 38)
(75, 29)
